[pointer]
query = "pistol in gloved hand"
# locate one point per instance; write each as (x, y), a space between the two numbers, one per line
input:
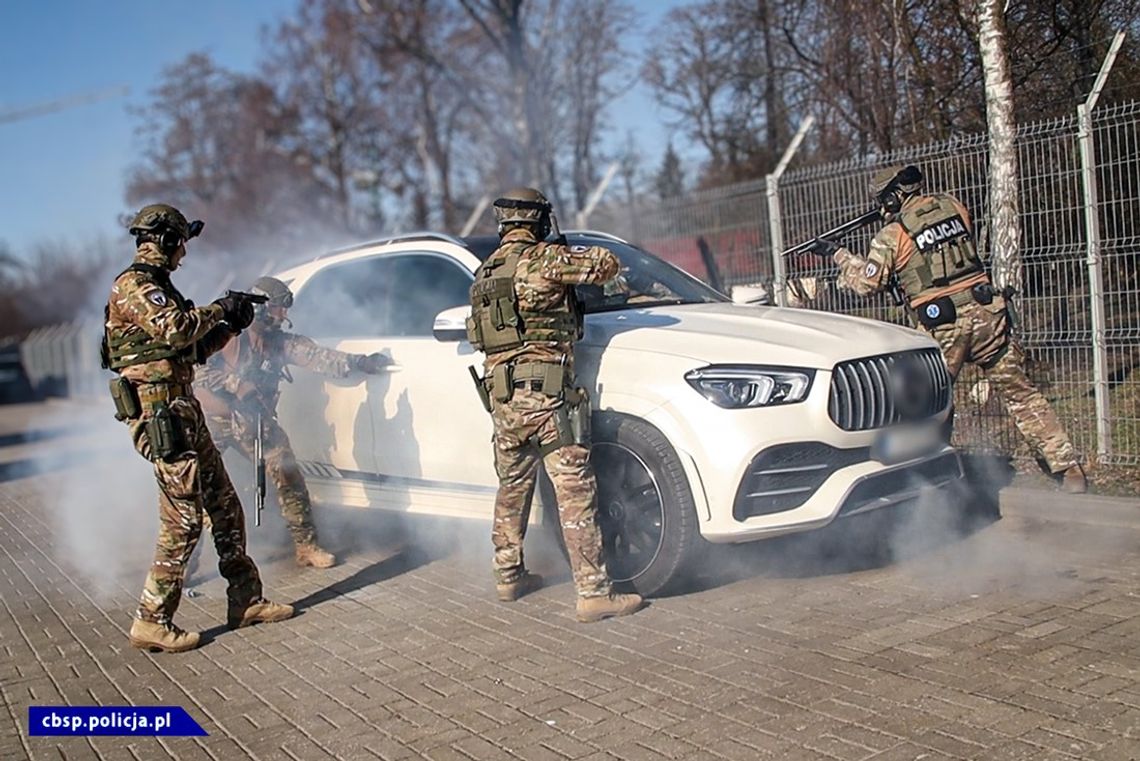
(237, 308)
(252, 407)
(374, 363)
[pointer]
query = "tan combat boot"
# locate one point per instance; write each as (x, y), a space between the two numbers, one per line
(1073, 481)
(148, 635)
(591, 609)
(312, 555)
(258, 611)
(523, 585)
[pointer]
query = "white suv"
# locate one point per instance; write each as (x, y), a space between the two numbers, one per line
(714, 422)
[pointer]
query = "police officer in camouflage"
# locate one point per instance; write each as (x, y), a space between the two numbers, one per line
(525, 318)
(153, 337)
(928, 245)
(241, 382)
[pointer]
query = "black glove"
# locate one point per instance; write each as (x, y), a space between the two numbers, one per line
(824, 248)
(371, 364)
(236, 310)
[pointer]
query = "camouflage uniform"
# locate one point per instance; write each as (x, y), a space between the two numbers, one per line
(144, 305)
(526, 422)
(979, 334)
(258, 359)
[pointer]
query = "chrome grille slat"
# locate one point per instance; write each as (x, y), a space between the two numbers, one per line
(863, 396)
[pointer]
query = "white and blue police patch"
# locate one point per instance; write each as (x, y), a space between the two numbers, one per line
(933, 310)
(871, 270)
(579, 249)
(158, 298)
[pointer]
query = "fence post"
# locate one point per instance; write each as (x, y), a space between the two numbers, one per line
(1093, 257)
(775, 218)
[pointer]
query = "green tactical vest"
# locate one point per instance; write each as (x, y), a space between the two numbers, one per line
(122, 349)
(497, 322)
(946, 248)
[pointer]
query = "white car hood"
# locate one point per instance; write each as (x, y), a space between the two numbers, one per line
(725, 332)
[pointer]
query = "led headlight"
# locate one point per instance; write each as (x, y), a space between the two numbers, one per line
(740, 386)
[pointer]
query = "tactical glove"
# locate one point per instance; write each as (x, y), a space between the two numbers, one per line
(236, 311)
(824, 248)
(371, 364)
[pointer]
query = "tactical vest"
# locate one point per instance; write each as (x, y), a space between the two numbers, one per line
(498, 323)
(126, 349)
(946, 253)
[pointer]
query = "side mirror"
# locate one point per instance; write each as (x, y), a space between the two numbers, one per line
(451, 324)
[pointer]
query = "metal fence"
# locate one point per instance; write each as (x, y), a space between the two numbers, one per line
(1080, 248)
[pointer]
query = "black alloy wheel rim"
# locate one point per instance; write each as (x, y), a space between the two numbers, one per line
(631, 513)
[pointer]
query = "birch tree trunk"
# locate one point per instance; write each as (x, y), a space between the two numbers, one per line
(1005, 220)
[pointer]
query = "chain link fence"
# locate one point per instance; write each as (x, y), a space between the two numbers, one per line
(1080, 250)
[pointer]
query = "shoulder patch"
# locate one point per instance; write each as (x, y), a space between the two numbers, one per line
(932, 311)
(579, 249)
(871, 270)
(158, 298)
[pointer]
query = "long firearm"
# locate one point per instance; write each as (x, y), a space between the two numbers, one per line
(851, 225)
(259, 472)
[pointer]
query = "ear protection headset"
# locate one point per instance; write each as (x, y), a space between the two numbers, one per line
(169, 240)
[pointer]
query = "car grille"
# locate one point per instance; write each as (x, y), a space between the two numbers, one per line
(875, 392)
(785, 476)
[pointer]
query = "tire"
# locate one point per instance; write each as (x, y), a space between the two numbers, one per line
(645, 507)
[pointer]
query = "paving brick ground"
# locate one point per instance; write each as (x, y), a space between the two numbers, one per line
(1018, 639)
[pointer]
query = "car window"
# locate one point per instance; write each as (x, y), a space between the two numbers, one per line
(645, 281)
(396, 295)
(422, 286)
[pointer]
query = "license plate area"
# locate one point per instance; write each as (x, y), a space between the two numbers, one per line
(906, 442)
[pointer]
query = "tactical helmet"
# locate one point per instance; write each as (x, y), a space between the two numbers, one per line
(907, 179)
(279, 296)
(523, 206)
(160, 217)
(278, 293)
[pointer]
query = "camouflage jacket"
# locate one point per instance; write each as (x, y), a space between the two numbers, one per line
(257, 361)
(545, 274)
(146, 304)
(891, 250)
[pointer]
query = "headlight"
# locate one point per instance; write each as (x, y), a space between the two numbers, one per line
(736, 387)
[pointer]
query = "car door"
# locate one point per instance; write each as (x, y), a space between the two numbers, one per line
(330, 420)
(432, 433)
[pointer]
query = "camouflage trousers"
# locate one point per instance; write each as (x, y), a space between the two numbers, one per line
(980, 335)
(280, 468)
(191, 486)
(522, 424)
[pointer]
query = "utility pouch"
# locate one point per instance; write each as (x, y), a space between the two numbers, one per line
(127, 405)
(480, 387)
(501, 383)
(164, 432)
(578, 412)
(941, 311)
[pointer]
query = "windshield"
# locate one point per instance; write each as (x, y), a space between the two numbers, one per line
(645, 281)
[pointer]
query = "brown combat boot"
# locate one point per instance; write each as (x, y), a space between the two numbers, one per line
(523, 585)
(148, 635)
(1073, 480)
(258, 611)
(312, 555)
(591, 609)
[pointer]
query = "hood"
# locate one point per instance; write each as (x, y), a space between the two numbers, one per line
(733, 333)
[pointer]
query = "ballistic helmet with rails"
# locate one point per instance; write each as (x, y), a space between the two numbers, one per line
(891, 186)
(525, 206)
(279, 296)
(165, 224)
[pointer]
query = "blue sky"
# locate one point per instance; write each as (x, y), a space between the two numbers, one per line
(63, 173)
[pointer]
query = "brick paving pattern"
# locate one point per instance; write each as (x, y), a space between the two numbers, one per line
(1018, 640)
